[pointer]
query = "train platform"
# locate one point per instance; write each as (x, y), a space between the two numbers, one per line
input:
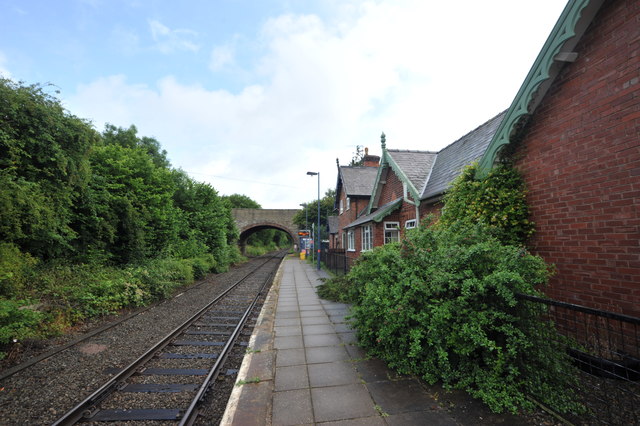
(303, 367)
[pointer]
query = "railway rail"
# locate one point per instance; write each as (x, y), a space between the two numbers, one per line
(180, 370)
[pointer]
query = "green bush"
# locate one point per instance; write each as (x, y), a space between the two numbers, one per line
(202, 265)
(83, 291)
(498, 201)
(16, 269)
(339, 289)
(160, 277)
(18, 320)
(442, 305)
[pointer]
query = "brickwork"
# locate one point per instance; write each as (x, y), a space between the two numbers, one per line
(249, 221)
(392, 189)
(580, 157)
(357, 204)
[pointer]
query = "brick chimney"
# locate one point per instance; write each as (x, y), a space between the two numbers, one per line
(370, 160)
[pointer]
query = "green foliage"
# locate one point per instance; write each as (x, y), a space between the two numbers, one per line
(239, 201)
(91, 222)
(16, 269)
(18, 320)
(358, 156)
(442, 305)
(309, 213)
(498, 201)
(44, 167)
(339, 289)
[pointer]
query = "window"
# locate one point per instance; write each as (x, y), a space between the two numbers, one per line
(391, 233)
(410, 224)
(344, 240)
(367, 240)
(348, 203)
(351, 241)
(341, 206)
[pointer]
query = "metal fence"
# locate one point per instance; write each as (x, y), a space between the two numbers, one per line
(337, 261)
(605, 346)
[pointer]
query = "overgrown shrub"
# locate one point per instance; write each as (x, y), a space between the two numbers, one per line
(161, 276)
(498, 201)
(442, 305)
(16, 268)
(18, 320)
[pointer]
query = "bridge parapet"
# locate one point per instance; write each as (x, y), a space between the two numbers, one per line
(249, 221)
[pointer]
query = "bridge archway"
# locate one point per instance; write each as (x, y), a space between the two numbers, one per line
(250, 221)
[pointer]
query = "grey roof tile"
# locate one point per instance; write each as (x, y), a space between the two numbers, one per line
(358, 181)
(379, 214)
(334, 224)
(452, 159)
(416, 165)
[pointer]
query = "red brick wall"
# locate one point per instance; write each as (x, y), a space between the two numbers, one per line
(392, 189)
(581, 160)
(430, 209)
(348, 216)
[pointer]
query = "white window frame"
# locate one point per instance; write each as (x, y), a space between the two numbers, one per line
(391, 228)
(341, 206)
(367, 238)
(410, 224)
(351, 240)
(348, 203)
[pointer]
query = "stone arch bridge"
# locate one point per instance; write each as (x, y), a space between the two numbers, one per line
(249, 221)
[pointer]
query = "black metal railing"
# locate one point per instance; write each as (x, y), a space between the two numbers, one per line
(337, 261)
(605, 346)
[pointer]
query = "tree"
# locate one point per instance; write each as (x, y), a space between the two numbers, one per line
(238, 201)
(44, 170)
(358, 156)
(132, 190)
(310, 212)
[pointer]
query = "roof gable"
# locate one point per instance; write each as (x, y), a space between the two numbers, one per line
(358, 181)
(556, 52)
(412, 167)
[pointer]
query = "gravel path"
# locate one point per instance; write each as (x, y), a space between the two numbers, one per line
(43, 392)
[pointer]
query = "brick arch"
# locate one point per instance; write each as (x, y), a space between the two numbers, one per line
(249, 221)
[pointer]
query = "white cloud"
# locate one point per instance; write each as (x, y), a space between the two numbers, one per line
(4, 71)
(221, 57)
(425, 73)
(169, 41)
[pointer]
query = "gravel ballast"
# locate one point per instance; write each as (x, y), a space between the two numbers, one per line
(43, 392)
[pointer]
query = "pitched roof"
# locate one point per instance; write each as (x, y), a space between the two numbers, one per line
(452, 159)
(358, 181)
(416, 165)
(377, 216)
(334, 224)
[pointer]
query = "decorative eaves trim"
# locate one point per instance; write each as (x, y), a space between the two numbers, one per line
(378, 215)
(403, 177)
(569, 28)
(384, 164)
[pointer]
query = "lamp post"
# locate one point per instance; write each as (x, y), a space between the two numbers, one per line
(318, 229)
(306, 222)
(306, 215)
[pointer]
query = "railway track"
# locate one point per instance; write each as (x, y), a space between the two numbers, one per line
(170, 381)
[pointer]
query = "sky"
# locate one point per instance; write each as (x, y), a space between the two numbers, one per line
(250, 95)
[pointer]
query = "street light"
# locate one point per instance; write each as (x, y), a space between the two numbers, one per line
(306, 222)
(306, 215)
(318, 229)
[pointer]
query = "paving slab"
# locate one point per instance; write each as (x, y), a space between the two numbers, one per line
(319, 376)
